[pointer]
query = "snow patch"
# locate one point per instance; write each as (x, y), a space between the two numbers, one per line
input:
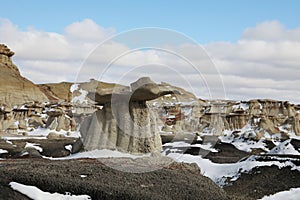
(81, 98)
(292, 194)
(220, 173)
(74, 87)
(244, 142)
(33, 145)
(68, 147)
(37, 194)
(3, 151)
(243, 106)
(103, 153)
(207, 146)
(284, 148)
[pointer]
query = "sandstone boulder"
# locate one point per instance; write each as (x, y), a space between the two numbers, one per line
(53, 135)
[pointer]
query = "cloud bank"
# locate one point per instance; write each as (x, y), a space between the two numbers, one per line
(263, 63)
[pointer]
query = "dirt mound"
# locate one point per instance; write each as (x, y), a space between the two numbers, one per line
(177, 181)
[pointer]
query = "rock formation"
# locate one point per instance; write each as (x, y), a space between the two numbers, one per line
(57, 91)
(15, 89)
(125, 122)
(60, 118)
(214, 117)
(263, 115)
(127, 117)
(33, 115)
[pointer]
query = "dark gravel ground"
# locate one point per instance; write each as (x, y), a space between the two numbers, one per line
(51, 147)
(264, 181)
(176, 181)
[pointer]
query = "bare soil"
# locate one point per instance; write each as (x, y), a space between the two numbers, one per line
(176, 181)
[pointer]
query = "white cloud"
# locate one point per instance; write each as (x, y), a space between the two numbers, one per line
(87, 30)
(263, 63)
(49, 57)
(271, 31)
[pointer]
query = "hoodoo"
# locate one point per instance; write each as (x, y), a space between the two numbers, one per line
(125, 122)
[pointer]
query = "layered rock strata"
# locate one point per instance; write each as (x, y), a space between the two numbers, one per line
(261, 115)
(125, 122)
(15, 89)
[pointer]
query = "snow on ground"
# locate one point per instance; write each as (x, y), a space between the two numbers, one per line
(284, 148)
(244, 106)
(9, 142)
(292, 194)
(180, 144)
(81, 98)
(219, 173)
(37, 194)
(68, 147)
(46, 131)
(243, 142)
(33, 145)
(3, 151)
(42, 133)
(74, 87)
(103, 153)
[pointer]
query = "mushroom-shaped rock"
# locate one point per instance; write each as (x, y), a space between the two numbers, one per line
(145, 89)
(103, 95)
(125, 122)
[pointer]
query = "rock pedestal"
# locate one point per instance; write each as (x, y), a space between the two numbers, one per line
(125, 122)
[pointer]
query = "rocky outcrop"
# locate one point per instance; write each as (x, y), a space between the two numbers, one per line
(15, 89)
(125, 122)
(216, 116)
(33, 115)
(263, 115)
(57, 91)
(59, 118)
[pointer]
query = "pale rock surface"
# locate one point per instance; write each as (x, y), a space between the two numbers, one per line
(125, 121)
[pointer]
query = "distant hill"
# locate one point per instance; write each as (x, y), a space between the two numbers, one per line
(57, 91)
(15, 89)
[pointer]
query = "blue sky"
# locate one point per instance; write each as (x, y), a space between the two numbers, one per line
(253, 44)
(205, 21)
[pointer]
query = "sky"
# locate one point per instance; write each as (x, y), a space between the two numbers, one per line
(217, 49)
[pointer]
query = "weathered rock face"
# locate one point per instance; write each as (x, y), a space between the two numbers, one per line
(57, 91)
(274, 117)
(59, 120)
(133, 132)
(214, 117)
(35, 115)
(15, 89)
(125, 122)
